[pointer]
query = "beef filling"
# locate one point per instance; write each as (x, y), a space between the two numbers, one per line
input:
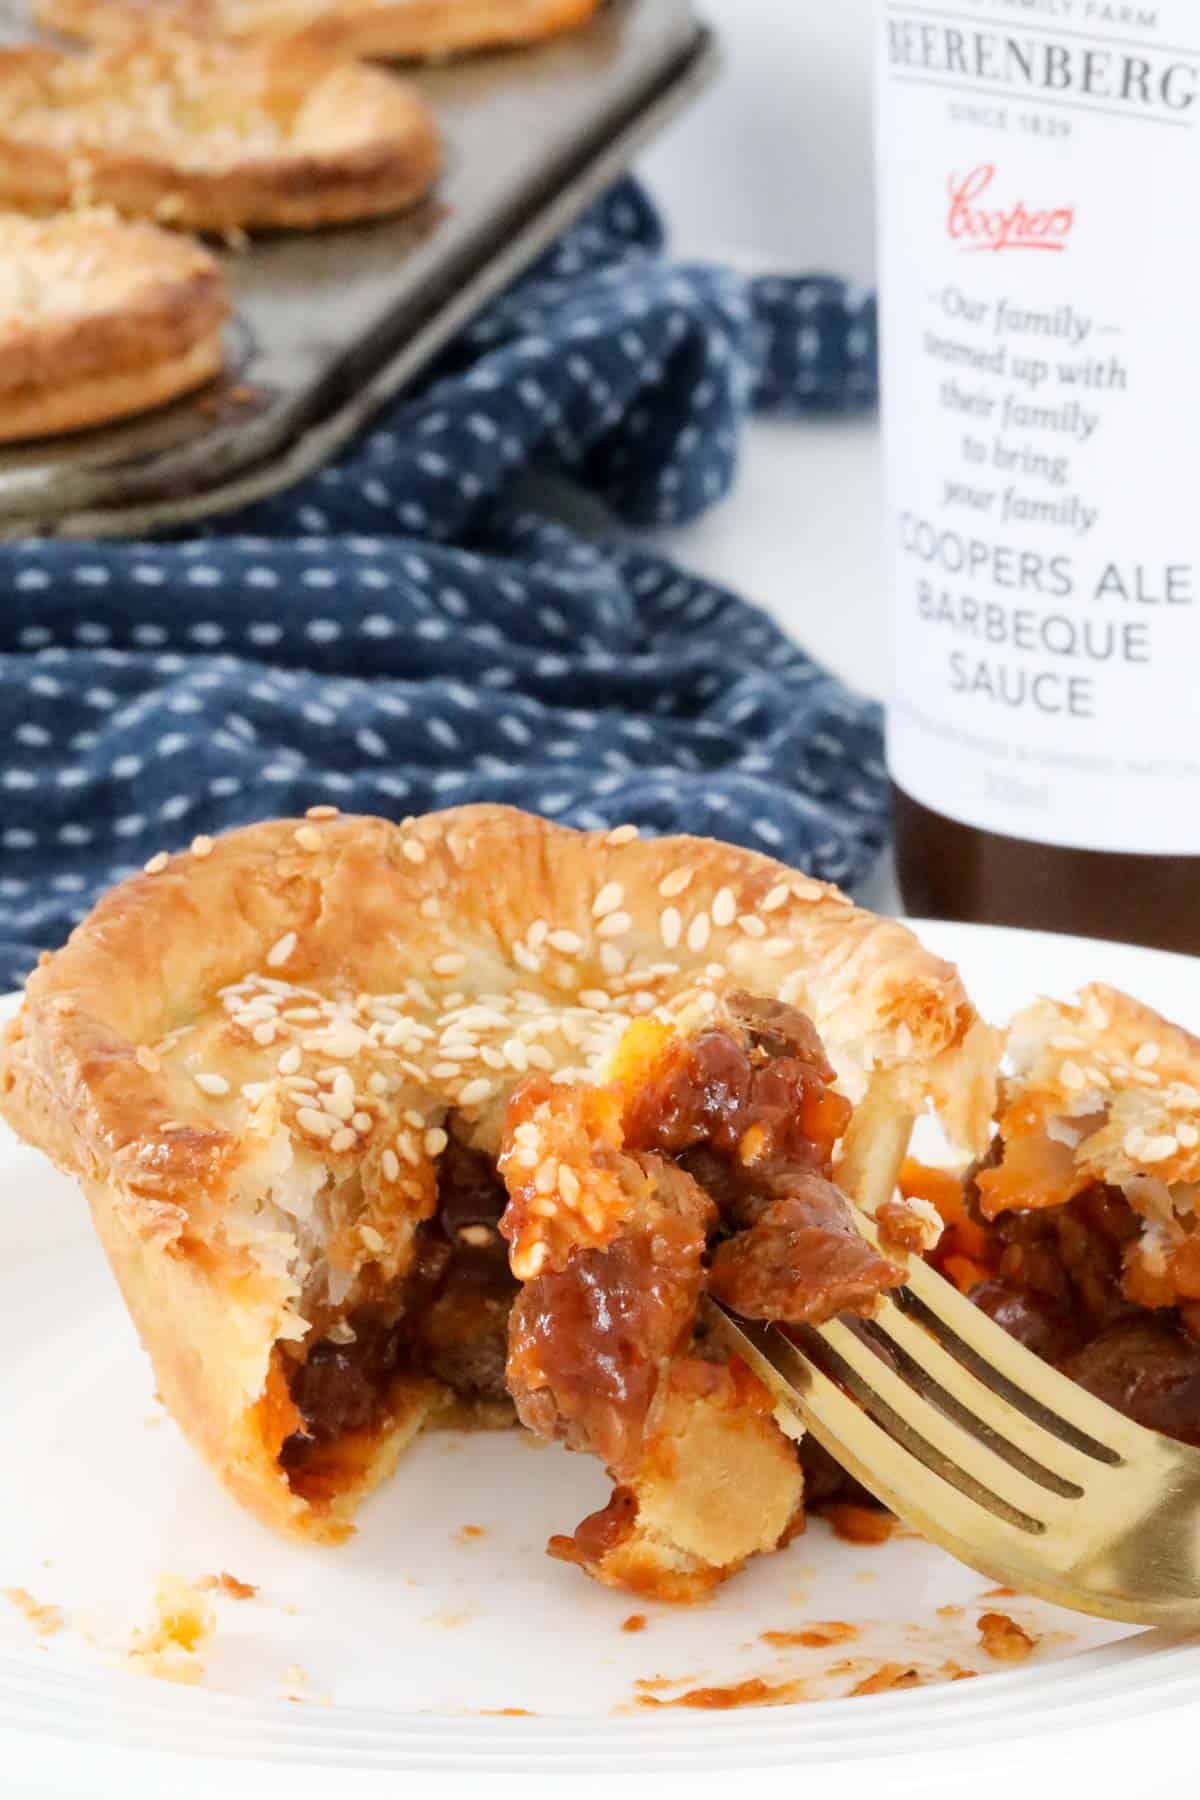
(727, 1162)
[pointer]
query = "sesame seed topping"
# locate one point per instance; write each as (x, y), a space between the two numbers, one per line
(675, 883)
(724, 907)
(495, 1059)
(608, 899)
(408, 1150)
(1072, 1076)
(615, 925)
(435, 1141)
(525, 959)
(621, 834)
(612, 960)
(449, 963)
(321, 812)
(775, 899)
(414, 851)
(371, 1238)
(537, 934)
(670, 926)
(265, 1034)
(516, 1054)
(345, 1139)
(1157, 1149)
(779, 946)
(317, 1124)
(1188, 1135)
(290, 1061)
(157, 863)
(377, 1082)
(340, 1103)
(752, 925)
(1146, 1054)
(595, 997)
(281, 950)
(202, 846)
(568, 1184)
(362, 1123)
(307, 837)
(546, 1179)
(475, 1091)
(390, 1164)
(445, 1071)
(569, 943)
(147, 1059)
(216, 1085)
(698, 931)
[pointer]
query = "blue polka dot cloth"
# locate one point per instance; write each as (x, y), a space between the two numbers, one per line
(404, 630)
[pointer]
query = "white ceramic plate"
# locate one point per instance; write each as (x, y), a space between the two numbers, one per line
(402, 1647)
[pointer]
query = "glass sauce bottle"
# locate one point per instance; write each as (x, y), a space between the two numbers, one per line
(1038, 168)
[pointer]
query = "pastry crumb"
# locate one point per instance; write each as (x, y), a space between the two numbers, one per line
(45, 1619)
(295, 1682)
(887, 1678)
(470, 1534)
(1003, 1638)
(167, 1648)
(226, 1584)
(635, 1622)
(754, 1692)
(859, 1524)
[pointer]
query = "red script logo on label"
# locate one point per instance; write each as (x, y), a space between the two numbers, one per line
(981, 227)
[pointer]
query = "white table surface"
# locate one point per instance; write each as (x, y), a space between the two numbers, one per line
(773, 167)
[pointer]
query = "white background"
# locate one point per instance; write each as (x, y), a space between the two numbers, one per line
(773, 169)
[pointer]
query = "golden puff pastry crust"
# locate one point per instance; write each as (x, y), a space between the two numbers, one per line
(258, 1056)
(100, 319)
(418, 30)
(205, 136)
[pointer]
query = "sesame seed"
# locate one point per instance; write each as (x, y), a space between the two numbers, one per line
(1146, 1054)
(212, 1084)
(612, 960)
(157, 864)
(253, 1091)
(516, 1054)
(675, 883)
(307, 838)
(539, 1056)
(317, 1124)
(779, 946)
(531, 1263)
(321, 812)
(525, 959)
(414, 851)
(300, 1084)
(724, 907)
(290, 1061)
(595, 998)
(147, 1059)
(390, 1163)
(615, 925)
(435, 1141)
(345, 1139)
(362, 1123)
(622, 834)
(546, 1179)
(377, 1082)
(340, 1103)
(568, 1184)
(537, 934)
(752, 925)
(1067, 1041)
(775, 899)
(1072, 1076)
(281, 950)
(408, 1150)
(495, 1059)
(608, 899)
(1188, 1135)
(670, 926)
(526, 1133)
(1157, 1149)
(449, 963)
(265, 1034)
(430, 907)
(475, 1091)
(568, 942)
(698, 931)
(445, 1071)
(202, 846)
(371, 1238)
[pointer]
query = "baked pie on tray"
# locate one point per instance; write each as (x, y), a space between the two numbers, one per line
(421, 30)
(208, 136)
(385, 1126)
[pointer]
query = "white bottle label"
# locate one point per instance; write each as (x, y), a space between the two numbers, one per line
(1039, 177)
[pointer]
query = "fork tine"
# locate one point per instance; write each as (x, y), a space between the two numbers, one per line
(953, 1450)
(1015, 1374)
(927, 1365)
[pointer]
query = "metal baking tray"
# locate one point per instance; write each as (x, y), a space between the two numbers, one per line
(327, 325)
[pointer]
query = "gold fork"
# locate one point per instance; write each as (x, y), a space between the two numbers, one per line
(989, 1452)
